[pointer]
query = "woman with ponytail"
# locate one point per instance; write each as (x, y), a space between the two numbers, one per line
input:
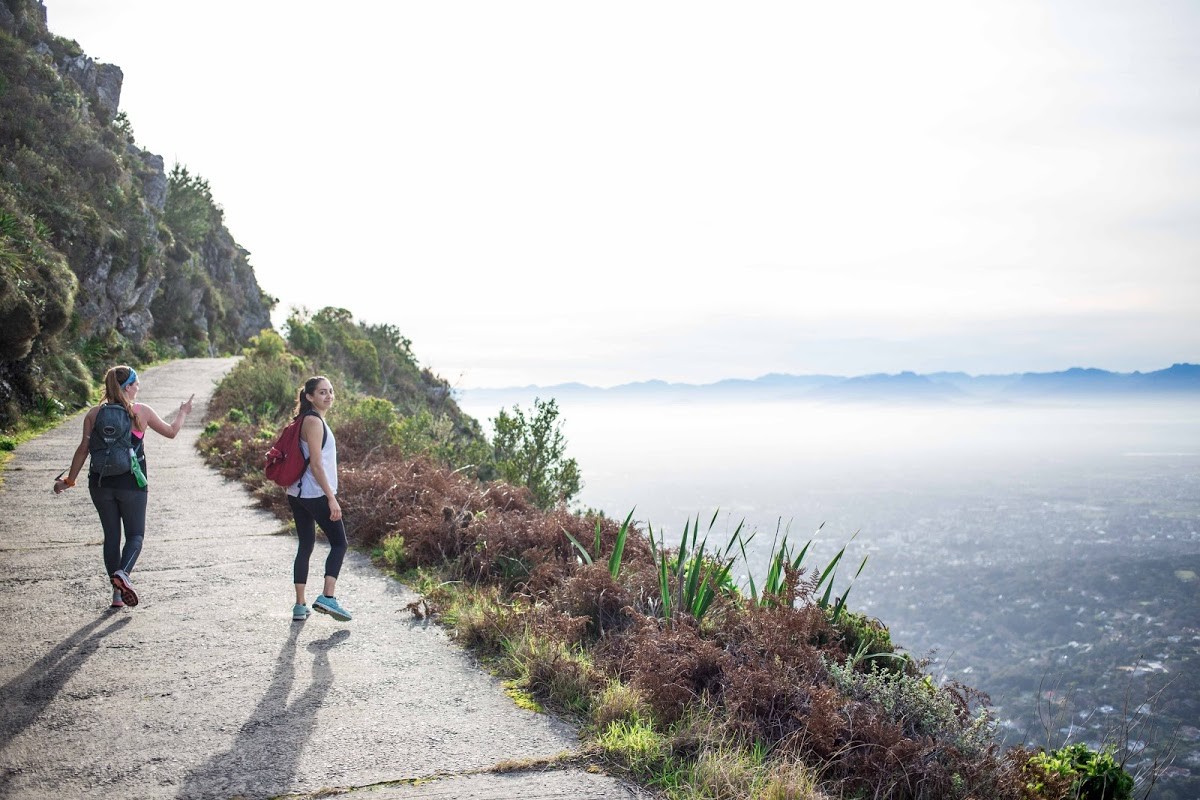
(118, 484)
(313, 500)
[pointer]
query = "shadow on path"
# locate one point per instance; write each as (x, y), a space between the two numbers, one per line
(24, 697)
(264, 757)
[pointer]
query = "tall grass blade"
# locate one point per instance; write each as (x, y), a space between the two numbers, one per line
(587, 558)
(683, 544)
(679, 560)
(710, 592)
(614, 560)
(664, 584)
(772, 557)
(804, 551)
(695, 570)
(749, 574)
(800, 557)
(734, 539)
(832, 569)
(840, 605)
(827, 575)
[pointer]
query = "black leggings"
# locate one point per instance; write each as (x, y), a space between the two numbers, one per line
(309, 512)
(117, 506)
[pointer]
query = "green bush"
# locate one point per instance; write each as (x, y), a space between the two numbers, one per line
(920, 707)
(1095, 775)
(531, 452)
(303, 337)
(267, 345)
(868, 640)
(423, 432)
(190, 211)
(370, 412)
(365, 361)
(368, 426)
(263, 388)
(391, 550)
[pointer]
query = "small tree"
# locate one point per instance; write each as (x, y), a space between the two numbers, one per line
(190, 212)
(532, 453)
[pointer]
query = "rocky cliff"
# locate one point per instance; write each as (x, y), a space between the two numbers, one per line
(104, 256)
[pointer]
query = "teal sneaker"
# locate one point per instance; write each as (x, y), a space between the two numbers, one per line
(299, 611)
(330, 606)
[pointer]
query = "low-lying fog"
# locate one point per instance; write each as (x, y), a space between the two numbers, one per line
(842, 464)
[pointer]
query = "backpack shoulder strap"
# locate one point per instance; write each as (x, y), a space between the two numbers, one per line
(324, 427)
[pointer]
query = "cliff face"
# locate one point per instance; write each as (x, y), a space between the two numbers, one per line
(97, 262)
(209, 301)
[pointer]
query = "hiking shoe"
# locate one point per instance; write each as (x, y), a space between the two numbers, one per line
(299, 611)
(117, 602)
(121, 581)
(330, 606)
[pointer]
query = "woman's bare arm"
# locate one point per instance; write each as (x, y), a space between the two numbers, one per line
(81, 453)
(147, 417)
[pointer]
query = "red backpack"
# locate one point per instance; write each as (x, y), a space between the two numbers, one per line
(285, 462)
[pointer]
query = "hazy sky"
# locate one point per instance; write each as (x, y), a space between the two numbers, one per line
(619, 191)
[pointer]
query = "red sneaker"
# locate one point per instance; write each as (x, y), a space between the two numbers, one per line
(121, 581)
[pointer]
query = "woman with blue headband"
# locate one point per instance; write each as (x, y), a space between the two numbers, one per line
(117, 477)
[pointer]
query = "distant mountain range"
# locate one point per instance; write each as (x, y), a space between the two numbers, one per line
(1179, 380)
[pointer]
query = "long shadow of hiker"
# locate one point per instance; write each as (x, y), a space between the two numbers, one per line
(24, 697)
(263, 758)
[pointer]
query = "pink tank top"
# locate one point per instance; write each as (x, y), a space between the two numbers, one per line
(136, 433)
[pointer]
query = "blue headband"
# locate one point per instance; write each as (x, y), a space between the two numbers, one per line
(129, 381)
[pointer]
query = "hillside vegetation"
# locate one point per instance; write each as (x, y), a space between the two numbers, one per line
(105, 257)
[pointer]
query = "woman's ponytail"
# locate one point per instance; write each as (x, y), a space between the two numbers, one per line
(303, 404)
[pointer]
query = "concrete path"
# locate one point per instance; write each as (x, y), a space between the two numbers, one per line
(207, 689)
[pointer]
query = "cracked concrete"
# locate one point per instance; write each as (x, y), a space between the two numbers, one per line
(207, 689)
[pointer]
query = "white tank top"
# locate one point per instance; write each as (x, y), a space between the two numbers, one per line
(307, 485)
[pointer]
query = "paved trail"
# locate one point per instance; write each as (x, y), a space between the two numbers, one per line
(207, 689)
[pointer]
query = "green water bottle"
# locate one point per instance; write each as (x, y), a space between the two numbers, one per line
(136, 468)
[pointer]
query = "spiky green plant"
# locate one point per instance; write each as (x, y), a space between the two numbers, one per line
(782, 560)
(688, 583)
(614, 558)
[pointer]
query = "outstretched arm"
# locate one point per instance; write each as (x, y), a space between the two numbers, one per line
(150, 419)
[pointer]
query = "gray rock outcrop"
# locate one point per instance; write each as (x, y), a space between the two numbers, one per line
(100, 83)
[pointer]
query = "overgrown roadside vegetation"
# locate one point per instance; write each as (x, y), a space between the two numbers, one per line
(680, 679)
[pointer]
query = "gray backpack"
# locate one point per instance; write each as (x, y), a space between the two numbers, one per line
(111, 442)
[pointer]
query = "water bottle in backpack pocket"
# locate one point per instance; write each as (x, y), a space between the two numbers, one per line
(135, 466)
